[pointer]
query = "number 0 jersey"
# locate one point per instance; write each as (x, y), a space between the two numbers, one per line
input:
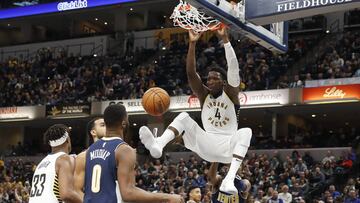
(219, 115)
(45, 185)
(101, 172)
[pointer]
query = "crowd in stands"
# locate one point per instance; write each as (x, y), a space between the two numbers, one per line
(342, 137)
(294, 178)
(341, 59)
(49, 79)
(15, 180)
(59, 79)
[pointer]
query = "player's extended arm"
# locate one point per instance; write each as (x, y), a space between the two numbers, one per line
(66, 180)
(194, 79)
(233, 77)
(126, 159)
(79, 175)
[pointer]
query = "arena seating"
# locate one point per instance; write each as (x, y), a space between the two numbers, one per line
(306, 180)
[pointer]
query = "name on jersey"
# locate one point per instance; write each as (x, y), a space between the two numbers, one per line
(99, 154)
(218, 120)
(224, 198)
(44, 164)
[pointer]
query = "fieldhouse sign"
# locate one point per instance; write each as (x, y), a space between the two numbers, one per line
(332, 93)
(263, 12)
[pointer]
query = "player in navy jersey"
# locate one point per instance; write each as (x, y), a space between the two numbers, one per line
(110, 166)
(242, 185)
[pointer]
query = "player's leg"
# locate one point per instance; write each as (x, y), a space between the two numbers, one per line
(156, 145)
(240, 143)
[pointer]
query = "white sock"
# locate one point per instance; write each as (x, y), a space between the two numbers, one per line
(234, 167)
(165, 138)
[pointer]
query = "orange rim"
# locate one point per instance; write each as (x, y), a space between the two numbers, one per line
(185, 7)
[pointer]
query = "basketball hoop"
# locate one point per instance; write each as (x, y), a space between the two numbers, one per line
(190, 18)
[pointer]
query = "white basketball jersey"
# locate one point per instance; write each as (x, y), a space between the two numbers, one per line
(45, 185)
(218, 115)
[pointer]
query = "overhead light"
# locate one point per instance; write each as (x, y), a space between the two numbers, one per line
(313, 115)
(327, 31)
(163, 48)
(96, 19)
(105, 23)
(131, 9)
(95, 55)
(134, 124)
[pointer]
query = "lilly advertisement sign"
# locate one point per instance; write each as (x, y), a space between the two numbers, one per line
(332, 93)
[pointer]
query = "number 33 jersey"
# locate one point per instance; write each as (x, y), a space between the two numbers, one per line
(219, 115)
(45, 185)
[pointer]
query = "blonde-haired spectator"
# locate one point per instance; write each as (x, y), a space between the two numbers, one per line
(285, 195)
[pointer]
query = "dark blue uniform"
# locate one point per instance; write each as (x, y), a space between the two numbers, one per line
(222, 197)
(101, 171)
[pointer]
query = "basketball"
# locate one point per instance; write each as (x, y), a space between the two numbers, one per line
(156, 101)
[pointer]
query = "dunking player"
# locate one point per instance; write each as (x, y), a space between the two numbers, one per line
(221, 141)
(53, 178)
(110, 166)
(218, 196)
(95, 130)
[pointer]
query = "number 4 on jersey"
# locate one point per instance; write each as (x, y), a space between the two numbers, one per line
(217, 114)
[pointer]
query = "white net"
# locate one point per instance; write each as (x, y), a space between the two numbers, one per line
(188, 17)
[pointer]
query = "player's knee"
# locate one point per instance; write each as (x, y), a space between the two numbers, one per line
(182, 116)
(244, 136)
(178, 122)
(246, 132)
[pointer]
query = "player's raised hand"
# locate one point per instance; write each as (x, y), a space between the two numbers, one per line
(222, 33)
(193, 36)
